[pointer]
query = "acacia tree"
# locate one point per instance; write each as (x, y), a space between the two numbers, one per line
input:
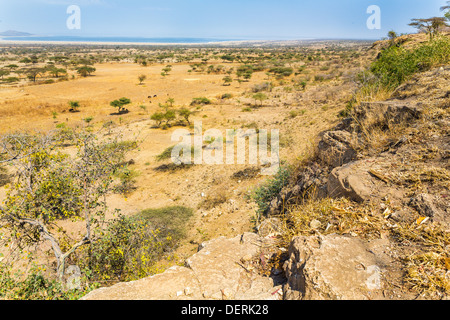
(119, 104)
(142, 78)
(12, 67)
(166, 70)
(74, 106)
(261, 97)
(227, 80)
(185, 113)
(56, 71)
(51, 186)
(85, 71)
(430, 26)
(3, 73)
(392, 35)
(33, 73)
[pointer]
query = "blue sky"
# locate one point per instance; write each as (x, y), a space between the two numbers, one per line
(231, 19)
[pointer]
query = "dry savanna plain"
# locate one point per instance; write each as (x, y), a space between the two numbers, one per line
(297, 88)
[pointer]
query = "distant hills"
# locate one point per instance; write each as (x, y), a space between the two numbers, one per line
(13, 33)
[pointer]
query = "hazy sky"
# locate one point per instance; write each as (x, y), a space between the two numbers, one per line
(236, 19)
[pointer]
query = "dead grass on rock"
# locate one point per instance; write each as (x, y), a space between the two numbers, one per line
(335, 216)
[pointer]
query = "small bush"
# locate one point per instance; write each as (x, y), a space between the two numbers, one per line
(200, 101)
(264, 194)
(293, 114)
(266, 86)
(215, 199)
(35, 287)
(127, 177)
(282, 71)
(167, 154)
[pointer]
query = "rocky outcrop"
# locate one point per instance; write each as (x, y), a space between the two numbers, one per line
(336, 148)
(364, 180)
(370, 114)
(220, 270)
(347, 165)
(335, 268)
(330, 267)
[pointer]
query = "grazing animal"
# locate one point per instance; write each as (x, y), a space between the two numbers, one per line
(155, 96)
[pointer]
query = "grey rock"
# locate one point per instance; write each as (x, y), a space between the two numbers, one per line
(334, 268)
(335, 148)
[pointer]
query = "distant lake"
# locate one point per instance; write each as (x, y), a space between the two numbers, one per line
(116, 39)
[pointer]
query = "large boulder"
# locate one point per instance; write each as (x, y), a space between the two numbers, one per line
(365, 180)
(217, 271)
(335, 267)
(351, 182)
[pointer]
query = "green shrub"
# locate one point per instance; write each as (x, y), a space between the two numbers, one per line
(396, 64)
(167, 154)
(264, 194)
(158, 117)
(200, 101)
(293, 114)
(127, 177)
(282, 71)
(131, 247)
(36, 287)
